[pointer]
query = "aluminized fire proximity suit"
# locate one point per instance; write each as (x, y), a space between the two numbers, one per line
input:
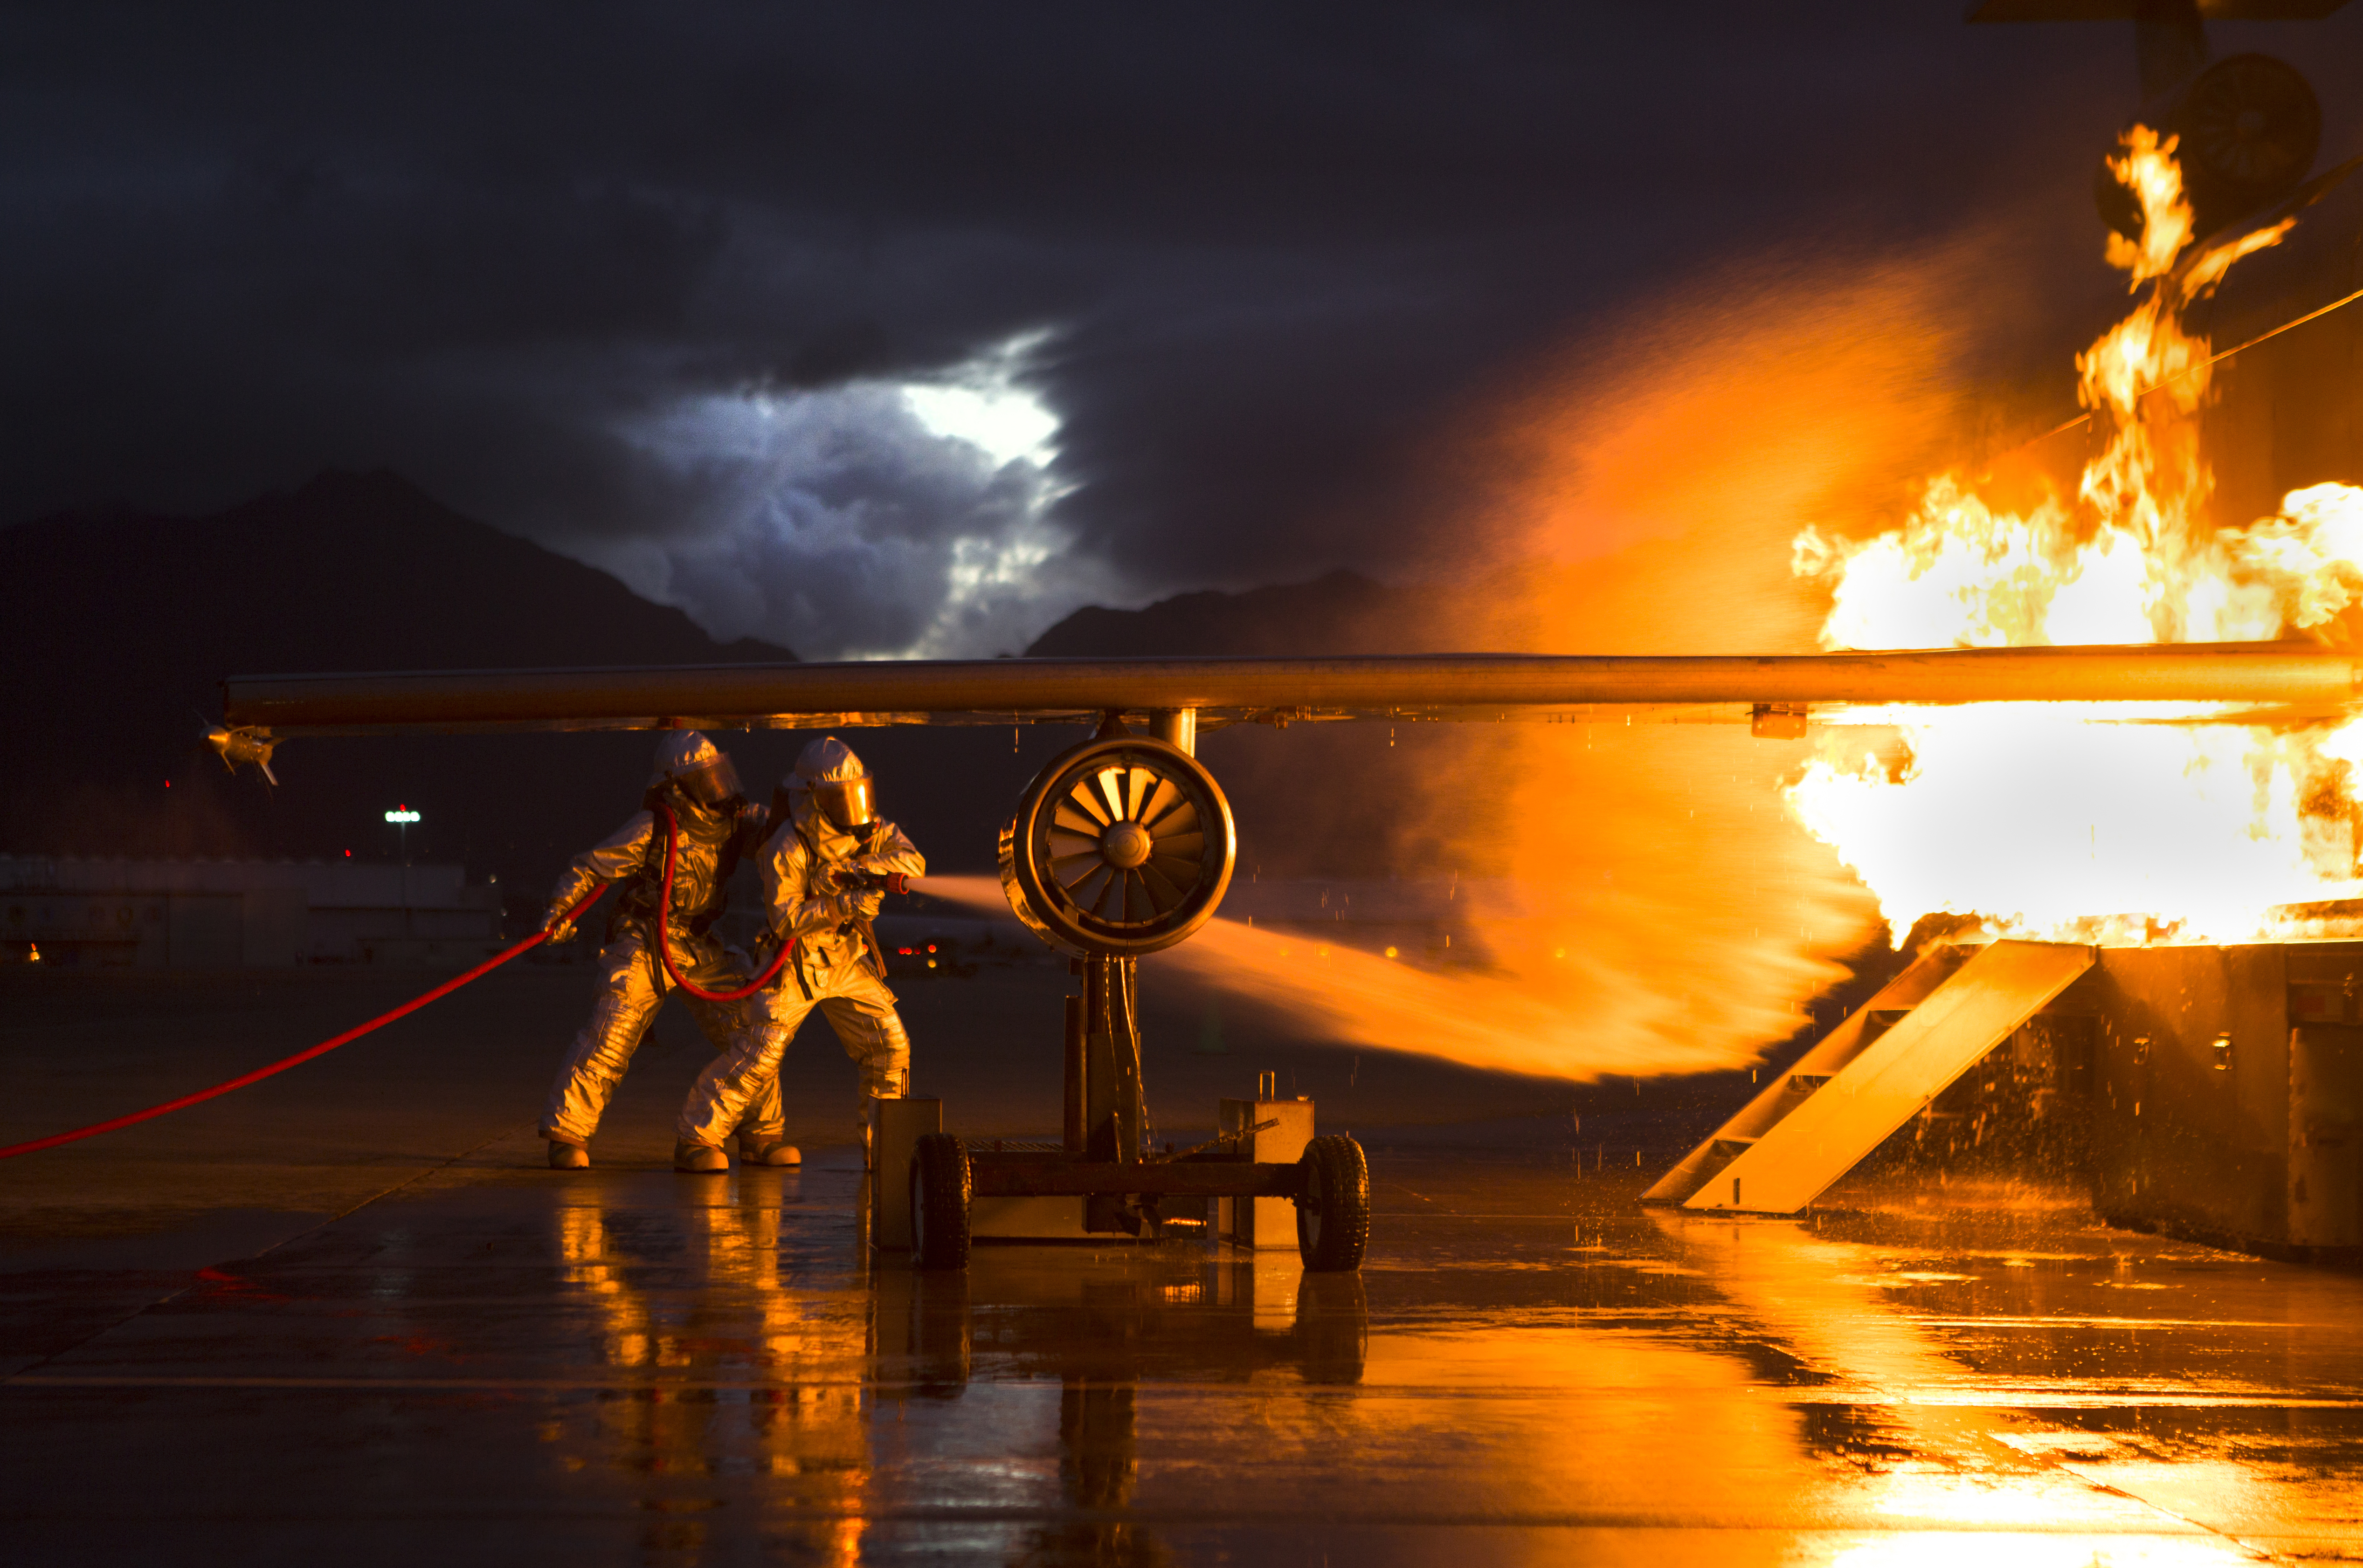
(808, 869)
(714, 835)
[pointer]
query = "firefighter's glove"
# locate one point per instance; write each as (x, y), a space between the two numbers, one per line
(558, 928)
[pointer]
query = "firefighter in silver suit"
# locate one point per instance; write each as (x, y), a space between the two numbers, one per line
(715, 827)
(828, 854)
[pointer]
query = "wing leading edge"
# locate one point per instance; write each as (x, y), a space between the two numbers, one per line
(2279, 679)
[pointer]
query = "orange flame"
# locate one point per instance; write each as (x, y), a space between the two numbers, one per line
(2149, 172)
(2066, 820)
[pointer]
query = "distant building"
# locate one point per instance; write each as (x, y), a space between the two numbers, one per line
(221, 915)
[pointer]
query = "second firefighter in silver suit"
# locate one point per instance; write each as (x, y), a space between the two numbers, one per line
(822, 868)
(715, 827)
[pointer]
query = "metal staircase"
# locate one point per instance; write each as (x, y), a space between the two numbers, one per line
(1870, 1076)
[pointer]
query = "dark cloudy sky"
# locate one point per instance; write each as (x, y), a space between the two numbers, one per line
(878, 329)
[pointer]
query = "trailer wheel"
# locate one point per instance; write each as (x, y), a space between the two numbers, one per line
(1333, 1216)
(941, 1187)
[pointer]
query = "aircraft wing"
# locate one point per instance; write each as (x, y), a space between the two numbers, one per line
(2261, 680)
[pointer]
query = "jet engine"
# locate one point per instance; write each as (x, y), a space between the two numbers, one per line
(1121, 847)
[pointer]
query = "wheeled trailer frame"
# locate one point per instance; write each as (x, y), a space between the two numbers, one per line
(1103, 1161)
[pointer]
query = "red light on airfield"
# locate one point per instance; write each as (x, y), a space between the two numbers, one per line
(904, 951)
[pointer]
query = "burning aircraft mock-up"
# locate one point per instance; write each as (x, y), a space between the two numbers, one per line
(1123, 845)
(2213, 1066)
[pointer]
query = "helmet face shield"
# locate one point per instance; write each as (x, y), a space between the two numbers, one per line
(711, 784)
(846, 802)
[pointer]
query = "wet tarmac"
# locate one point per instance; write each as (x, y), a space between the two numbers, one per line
(380, 1333)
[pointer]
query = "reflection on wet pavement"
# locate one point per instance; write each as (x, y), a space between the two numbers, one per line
(635, 1367)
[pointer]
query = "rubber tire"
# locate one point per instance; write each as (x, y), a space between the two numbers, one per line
(1333, 1217)
(941, 1187)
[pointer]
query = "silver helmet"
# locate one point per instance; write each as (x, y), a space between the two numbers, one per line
(840, 785)
(698, 766)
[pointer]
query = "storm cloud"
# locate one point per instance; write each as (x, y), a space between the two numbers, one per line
(669, 288)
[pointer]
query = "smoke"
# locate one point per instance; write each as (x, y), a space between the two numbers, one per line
(1670, 914)
(1635, 895)
(1637, 898)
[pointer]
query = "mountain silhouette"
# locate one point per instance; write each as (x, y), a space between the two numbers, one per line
(123, 626)
(1343, 613)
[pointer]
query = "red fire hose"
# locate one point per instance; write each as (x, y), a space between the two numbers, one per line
(664, 943)
(664, 950)
(322, 1049)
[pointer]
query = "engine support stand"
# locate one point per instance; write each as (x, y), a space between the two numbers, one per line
(1110, 1106)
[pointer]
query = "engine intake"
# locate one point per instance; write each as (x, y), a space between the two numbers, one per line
(1121, 847)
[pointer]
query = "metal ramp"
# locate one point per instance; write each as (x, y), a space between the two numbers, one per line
(1870, 1076)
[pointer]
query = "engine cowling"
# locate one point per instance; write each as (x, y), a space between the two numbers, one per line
(1121, 847)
